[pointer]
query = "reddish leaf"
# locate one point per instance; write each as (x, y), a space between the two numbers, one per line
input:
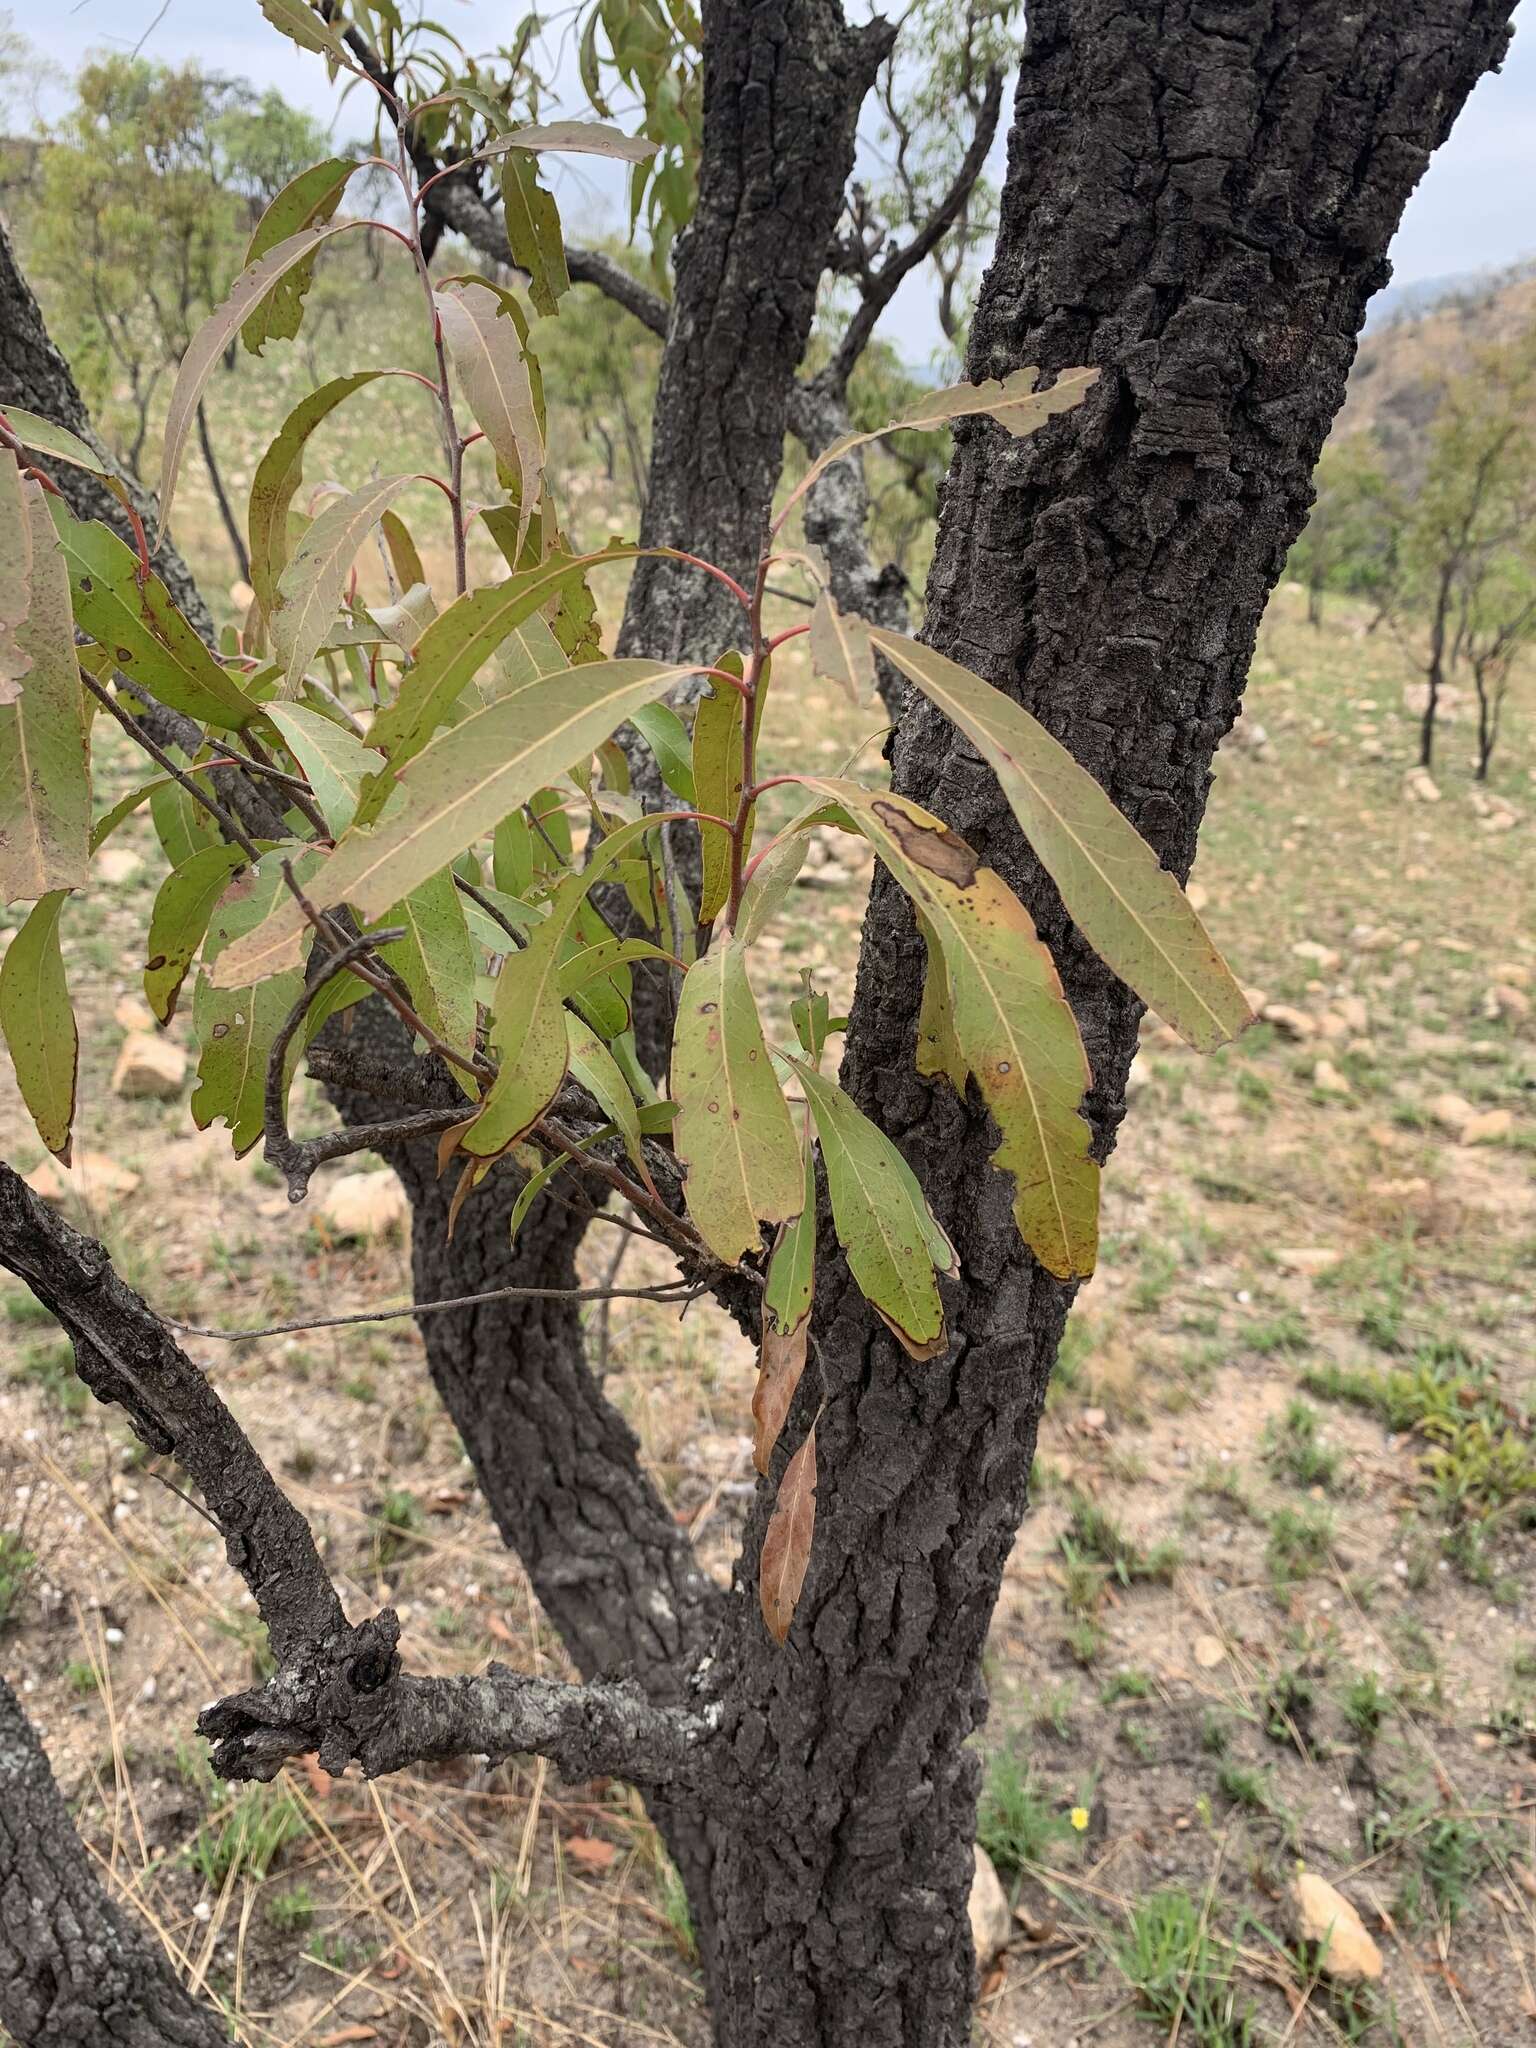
(780, 1364)
(787, 1545)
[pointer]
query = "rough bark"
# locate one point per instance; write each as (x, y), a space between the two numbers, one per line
(33, 374)
(74, 1971)
(783, 84)
(1199, 197)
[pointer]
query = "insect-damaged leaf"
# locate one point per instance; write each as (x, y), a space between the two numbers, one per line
(892, 1242)
(221, 327)
(580, 138)
(1131, 911)
(1011, 400)
(734, 1131)
(993, 1004)
(45, 782)
(840, 649)
(487, 339)
(179, 921)
(38, 1023)
(330, 757)
(139, 626)
(787, 1540)
(454, 790)
(309, 589)
(306, 201)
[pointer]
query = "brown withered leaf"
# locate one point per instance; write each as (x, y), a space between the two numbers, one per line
(787, 1545)
(591, 1852)
(780, 1364)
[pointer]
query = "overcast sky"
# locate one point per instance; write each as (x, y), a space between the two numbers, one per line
(1474, 209)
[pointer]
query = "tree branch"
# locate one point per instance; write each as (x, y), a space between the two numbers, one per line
(881, 285)
(338, 1689)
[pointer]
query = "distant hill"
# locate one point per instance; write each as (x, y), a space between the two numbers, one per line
(1418, 333)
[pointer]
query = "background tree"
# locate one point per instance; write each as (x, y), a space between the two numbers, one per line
(146, 200)
(1353, 533)
(1469, 546)
(1083, 571)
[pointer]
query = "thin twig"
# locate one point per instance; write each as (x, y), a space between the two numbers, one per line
(680, 1292)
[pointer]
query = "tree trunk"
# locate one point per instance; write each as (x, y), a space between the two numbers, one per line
(783, 84)
(1199, 198)
(74, 1972)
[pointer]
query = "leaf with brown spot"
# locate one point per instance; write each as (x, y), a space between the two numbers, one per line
(993, 1006)
(787, 1542)
(1130, 909)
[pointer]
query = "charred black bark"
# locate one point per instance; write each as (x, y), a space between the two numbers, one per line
(783, 84)
(1199, 198)
(74, 1971)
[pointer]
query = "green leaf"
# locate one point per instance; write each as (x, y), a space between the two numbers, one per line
(33, 431)
(734, 1132)
(246, 294)
(279, 474)
(718, 721)
(104, 826)
(667, 737)
(892, 1242)
(1131, 911)
(460, 641)
(38, 1023)
(182, 826)
(309, 589)
(300, 23)
(458, 788)
(537, 1182)
(791, 1282)
(306, 201)
(235, 1027)
(45, 777)
(148, 639)
(487, 339)
(769, 885)
(403, 557)
(179, 921)
(329, 756)
(435, 960)
(998, 1011)
(594, 1066)
(528, 1030)
(15, 574)
(533, 231)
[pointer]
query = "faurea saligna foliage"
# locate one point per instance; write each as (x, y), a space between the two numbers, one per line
(456, 829)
